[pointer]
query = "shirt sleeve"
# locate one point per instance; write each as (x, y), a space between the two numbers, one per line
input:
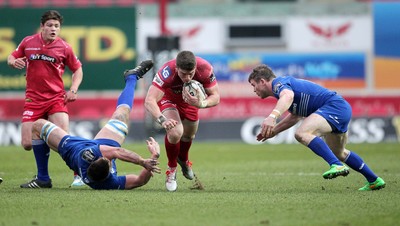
(20, 50)
(72, 60)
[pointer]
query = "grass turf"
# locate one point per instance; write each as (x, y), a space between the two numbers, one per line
(244, 185)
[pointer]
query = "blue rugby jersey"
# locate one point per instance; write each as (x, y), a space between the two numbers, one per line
(308, 96)
(79, 152)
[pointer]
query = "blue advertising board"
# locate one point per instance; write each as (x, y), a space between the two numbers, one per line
(236, 67)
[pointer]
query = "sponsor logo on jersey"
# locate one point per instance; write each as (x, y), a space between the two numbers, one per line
(157, 80)
(166, 72)
(88, 155)
(42, 57)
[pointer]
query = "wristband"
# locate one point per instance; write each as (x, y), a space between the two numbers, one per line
(161, 119)
(273, 116)
(203, 104)
(73, 91)
(277, 111)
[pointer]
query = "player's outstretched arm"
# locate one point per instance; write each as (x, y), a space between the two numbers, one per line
(130, 156)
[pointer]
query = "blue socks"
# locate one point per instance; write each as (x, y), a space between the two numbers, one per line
(127, 95)
(356, 163)
(319, 147)
(42, 154)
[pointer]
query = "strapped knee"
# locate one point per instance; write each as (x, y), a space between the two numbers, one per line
(47, 128)
(118, 127)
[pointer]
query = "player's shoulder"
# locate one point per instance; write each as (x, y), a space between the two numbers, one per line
(167, 71)
(62, 43)
(203, 67)
(32, 38)
(203, 64)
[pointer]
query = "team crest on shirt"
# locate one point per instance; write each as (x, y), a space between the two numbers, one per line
(88, 155)
(42, 57)
(277, 86)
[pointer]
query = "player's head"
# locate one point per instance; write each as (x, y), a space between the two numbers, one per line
(51, 15)
(99, 169)
(51, 25)
(186, 65)
(262, 71)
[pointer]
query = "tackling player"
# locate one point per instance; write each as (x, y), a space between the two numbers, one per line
(177, 112)
(45, 56)
(95, 159)
(324, 113)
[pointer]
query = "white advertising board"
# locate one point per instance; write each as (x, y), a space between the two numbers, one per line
(329, 34)
(197, 35)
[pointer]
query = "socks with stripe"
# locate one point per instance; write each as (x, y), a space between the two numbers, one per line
(356, 163)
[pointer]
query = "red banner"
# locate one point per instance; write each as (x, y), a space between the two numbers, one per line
(229, 108)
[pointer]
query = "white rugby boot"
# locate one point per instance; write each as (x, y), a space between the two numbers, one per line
(170, 181)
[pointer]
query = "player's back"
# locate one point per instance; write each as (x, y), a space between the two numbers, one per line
(308, 96)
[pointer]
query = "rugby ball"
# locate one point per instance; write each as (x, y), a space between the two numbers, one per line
(195, 88)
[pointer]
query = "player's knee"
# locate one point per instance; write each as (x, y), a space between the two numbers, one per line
(174, 136)
(187, 138)
(300, 137)
(26, 144)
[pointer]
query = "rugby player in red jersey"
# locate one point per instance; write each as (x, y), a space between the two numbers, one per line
(45, 55)
(177, 111)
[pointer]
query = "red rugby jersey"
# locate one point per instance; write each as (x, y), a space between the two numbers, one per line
(168, 81)
(45, 65)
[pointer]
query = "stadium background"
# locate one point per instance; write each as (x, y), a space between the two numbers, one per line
(349, 46)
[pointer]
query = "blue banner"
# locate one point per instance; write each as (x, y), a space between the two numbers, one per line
(333, 66)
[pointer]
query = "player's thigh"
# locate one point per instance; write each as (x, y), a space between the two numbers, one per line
(189, 129)
(314, 124)
(113, 130)
(49, 132)
(172, 113)
(61, 119)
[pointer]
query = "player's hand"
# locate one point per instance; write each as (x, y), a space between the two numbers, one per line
(151, 165)
(192, 100)
(267, 129)
(169, 124)
(153, 147)
(70, 97)
(19, 63)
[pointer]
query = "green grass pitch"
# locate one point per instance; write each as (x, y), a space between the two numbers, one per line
(264, 185)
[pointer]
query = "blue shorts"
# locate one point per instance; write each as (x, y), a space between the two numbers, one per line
(338, 114)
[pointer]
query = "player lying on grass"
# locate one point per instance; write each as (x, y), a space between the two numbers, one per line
(325, 113)
(94, 160)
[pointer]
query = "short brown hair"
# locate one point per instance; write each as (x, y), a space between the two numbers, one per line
(186, 60)
(51, 15)
(261, 71)
(99, 169)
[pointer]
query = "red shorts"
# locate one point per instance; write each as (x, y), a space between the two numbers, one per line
(186, 111)
(36, 110)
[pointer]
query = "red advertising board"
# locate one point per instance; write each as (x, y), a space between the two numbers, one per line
(229, 108)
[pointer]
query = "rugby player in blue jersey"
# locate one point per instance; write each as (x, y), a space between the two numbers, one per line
(323, 112)
(94, 160)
